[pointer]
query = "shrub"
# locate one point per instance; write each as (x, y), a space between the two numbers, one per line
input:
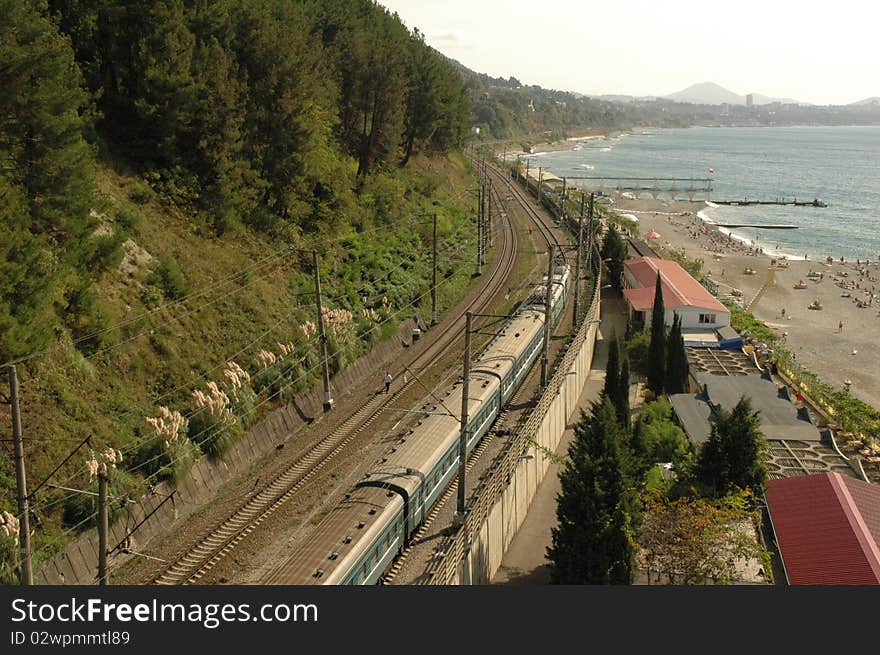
(168, 277)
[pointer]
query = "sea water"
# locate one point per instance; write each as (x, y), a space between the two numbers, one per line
(837, 165)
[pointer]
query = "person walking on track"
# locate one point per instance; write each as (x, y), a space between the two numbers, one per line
(388, 379)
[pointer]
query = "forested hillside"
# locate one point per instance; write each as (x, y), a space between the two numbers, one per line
(162, 163)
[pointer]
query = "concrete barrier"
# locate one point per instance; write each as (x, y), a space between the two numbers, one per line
(474, 553)
(77, 563)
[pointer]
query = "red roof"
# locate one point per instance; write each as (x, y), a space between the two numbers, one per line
(827, 528)
(679, 288)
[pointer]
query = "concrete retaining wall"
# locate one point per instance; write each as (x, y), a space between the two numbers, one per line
(78, 562)
(490, 542)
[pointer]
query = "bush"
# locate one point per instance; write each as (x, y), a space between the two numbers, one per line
(153, 459)
(637, 350)
(108, 252)
(214, 434)
(168, 277)
(80, 510)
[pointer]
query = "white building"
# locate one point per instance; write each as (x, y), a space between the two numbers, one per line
(683, 295)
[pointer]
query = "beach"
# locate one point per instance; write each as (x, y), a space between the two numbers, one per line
(843, 289)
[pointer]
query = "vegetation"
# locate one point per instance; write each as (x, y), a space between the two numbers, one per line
(733, 457)
(677, 366)
(614, 253)
(657, 347)
(164, 162)
(592, 543)
(616, 387)
(691, 541)
(658, 438)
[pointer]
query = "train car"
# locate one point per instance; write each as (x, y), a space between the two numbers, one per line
(357, 541)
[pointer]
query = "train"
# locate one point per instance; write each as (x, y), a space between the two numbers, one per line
(355, 543)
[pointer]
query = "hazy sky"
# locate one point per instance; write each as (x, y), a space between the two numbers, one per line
(812, 51)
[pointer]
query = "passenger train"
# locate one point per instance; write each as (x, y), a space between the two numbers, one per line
(360, 537)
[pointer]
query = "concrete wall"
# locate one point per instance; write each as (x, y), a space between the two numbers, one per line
(474, 553)
(78, 562)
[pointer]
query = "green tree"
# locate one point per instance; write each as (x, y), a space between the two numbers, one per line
(612, 369)
(46, 178)
(676, 359)
(614, 252)
(592, 541)
(733, 457)
(657, 348)
(622, 401)
(658, 438)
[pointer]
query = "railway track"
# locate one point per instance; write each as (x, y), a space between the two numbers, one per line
(192, 565)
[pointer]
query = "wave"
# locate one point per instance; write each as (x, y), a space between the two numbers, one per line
(589, 167)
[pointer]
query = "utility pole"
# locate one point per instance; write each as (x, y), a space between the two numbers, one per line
(575, 321)
(24, 527)
(462, 441)
(545, 352)
(590, 233)
(434, 279)
(564, 186)
(540, 180)
(528, 163)
(103, 524)
(488, 233)
(322, 336)
(479, 270)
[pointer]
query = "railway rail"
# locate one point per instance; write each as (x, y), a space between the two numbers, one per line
(195, 562)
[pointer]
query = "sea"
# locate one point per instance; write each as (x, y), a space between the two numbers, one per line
(838, 165)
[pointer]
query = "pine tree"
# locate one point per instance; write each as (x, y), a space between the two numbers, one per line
(592, 542)
(614, 252)
(733, 457)
(657, 349)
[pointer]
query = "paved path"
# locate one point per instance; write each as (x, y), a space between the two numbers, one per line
(525, 561)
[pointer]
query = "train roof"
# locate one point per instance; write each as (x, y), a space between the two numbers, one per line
(355, 520)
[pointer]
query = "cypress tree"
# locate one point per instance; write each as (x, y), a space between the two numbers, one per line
(591, 543)
(622, 402)
(612, 370)
(676, 359)
(657, 348)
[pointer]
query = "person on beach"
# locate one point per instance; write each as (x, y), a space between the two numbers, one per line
(840, 326)
(387, 381)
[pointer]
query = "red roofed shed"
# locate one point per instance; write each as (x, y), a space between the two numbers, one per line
(827, 529)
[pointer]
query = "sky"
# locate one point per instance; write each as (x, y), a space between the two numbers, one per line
(811, 51)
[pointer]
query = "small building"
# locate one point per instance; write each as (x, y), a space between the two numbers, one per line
(827, 529)
(683, 295)
(780, 418)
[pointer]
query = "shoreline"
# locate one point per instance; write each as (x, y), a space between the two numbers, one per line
(848, 292)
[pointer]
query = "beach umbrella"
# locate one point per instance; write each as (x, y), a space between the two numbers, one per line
(653, 235)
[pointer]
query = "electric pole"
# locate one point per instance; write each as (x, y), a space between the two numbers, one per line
(24, 528)
(479, 270)
(462, 441)
(103, 523)
(590, 233)
(434, 279)
(575, 321)
(563, 199)
(322, 336)
(540, 180)
(545, 352)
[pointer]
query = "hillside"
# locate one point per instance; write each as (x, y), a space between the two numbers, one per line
(158, 222)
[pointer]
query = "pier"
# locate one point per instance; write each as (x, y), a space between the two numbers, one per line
(653, 186)
(763, 227)
(795, 202)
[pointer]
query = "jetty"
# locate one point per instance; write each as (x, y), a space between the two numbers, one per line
(797, 203)
(755, 225)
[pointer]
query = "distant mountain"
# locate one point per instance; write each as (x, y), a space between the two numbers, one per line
(867, 101)
(709, 93)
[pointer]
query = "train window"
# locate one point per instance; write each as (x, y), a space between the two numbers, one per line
(364, 570)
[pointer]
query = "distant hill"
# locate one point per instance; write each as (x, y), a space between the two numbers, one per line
(875, 100)
(709, 93)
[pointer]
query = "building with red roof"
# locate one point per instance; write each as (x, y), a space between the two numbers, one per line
(827, 529)
(682, 295)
